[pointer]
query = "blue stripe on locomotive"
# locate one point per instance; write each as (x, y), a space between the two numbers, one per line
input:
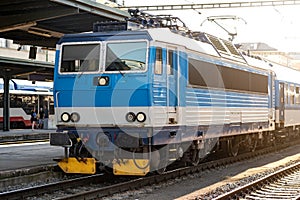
(124, 90)
(57, 54)
(219, 98)
(183, 77)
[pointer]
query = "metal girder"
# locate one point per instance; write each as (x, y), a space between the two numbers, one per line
(25, 62)
(196, 6)
(17, 7)
(23, 68)
(96, 8)
(35, 41)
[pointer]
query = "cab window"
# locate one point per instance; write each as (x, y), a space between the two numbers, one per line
(80, 58)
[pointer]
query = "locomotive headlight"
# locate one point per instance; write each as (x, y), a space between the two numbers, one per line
(75, 117)
(103, 81)
(65, 117)
(130, 117)
(141, 117)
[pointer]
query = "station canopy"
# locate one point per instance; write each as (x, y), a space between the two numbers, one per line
(42, 23)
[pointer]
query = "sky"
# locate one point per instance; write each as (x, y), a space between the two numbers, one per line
(277, 26)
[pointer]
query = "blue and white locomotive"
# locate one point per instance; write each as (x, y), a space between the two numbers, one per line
(136, 98)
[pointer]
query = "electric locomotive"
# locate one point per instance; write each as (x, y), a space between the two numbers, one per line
(138, 95)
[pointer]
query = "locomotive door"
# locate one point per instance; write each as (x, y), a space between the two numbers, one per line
(165, 87)
(171, 77)
(281, 102)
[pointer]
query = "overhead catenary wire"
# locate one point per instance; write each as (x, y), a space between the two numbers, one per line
(196, 6)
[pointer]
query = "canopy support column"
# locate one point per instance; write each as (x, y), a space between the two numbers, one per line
(6, 103)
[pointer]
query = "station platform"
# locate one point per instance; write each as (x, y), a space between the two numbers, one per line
(24, 149)
(21, 135)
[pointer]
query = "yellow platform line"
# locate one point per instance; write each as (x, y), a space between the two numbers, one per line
(23, 142)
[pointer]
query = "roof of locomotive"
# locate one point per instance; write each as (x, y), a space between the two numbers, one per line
(104, 36)
(164, 35)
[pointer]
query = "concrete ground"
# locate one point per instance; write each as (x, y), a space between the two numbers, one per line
(22, 148)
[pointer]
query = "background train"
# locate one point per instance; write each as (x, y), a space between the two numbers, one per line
(135, 96)
(24, 97)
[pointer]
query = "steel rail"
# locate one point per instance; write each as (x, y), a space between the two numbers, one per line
(241, 192)
(48, 188)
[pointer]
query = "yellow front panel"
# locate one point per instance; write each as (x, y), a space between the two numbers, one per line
(81, 166)
(137, 167)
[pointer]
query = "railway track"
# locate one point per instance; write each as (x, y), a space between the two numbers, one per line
(283, 184)
(100, 185)
(37, 191)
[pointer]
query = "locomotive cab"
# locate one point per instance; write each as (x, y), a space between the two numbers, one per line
(103, 93)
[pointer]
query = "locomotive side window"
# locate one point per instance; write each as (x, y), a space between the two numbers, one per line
(297, 95)
(206, 74)
(258, 83)
(286, 93)
(158, 61)
(80, 58)
(292, 94)
(171, 62)
(126, 56)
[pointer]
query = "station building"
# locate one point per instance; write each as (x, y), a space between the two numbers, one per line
(263, 50)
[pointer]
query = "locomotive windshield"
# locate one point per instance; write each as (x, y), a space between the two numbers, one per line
(80, 58)
(126, 56)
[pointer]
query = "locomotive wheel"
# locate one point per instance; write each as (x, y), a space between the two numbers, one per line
(159, 160)
(253, 146)
(252, 143)
(163, 162)
(161, 169)
(233, 147)
(196, 157)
